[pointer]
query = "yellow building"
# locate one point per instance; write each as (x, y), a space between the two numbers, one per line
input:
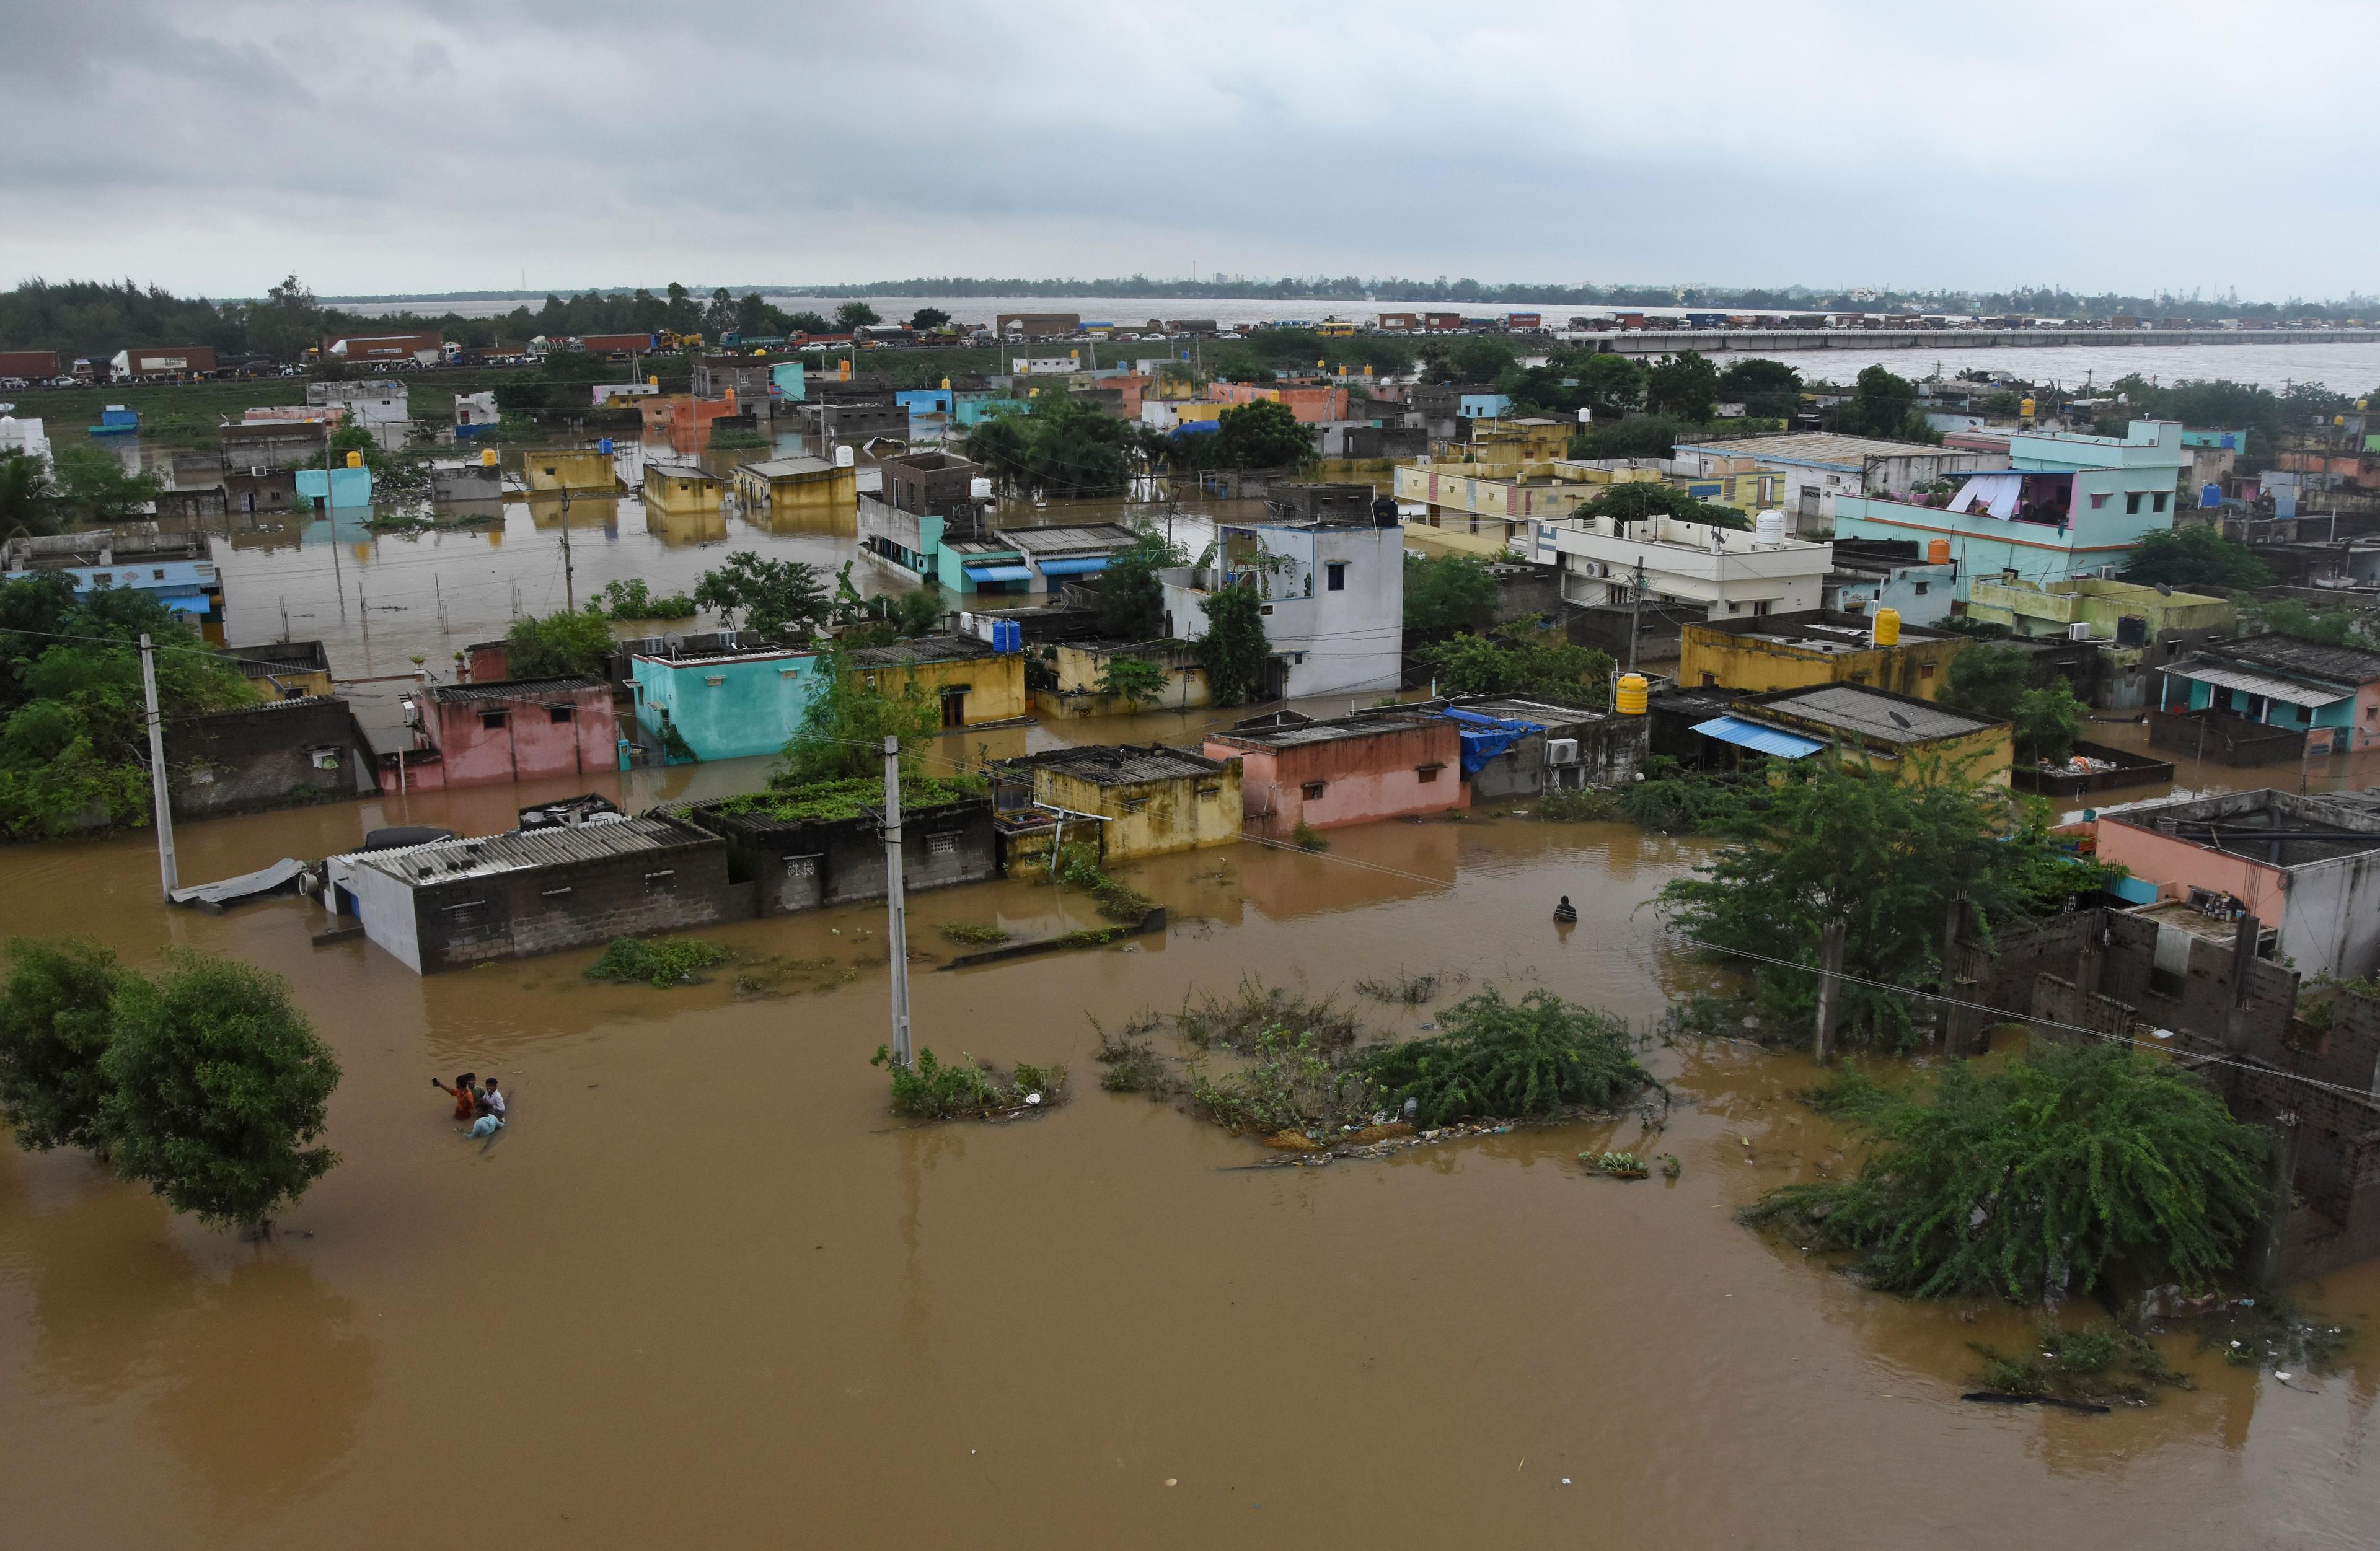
(289, 669)
(1082, 666)
(1896, 734)
(1154, 800)
(570, 468)
(1793, 651)
(799, 488)
(1528, 440)
(975, 685)
(680, 489)
(2031, 608)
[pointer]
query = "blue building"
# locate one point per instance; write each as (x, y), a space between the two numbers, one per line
(723, 706)
(1484, 406)
(2067, 506)
(189, 587)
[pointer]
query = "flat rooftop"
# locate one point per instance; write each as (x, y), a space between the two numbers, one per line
(1823, 447)
(519, 850)
(1122, 765)
(2280, 828)
(1869, 714)
(1816, 631)
(513, 689)
(1329, 732)
(1060, 541)
(789, 468)
(2287, 654)
(925, 648)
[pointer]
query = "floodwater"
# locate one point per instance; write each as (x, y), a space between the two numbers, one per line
(705, 1290)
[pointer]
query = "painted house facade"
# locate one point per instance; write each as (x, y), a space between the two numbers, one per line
(1154, 800)
(1353, 770)
(1334, 601)
(973, 683)
(723, 706)
(511, 730)
(2331, 694)
(1793, 651)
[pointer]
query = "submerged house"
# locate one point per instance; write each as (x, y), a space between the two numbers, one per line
(1081, 667)
(511, 730)
(2269, 697)
(796, 850)
(453, 903)
(1353, 770)
(1892, 733)
(726, 705)
(1145, 801)
(280, 752)
(976, 684)
(1513, 746)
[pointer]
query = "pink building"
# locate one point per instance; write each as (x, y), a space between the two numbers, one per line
(1356, 771)
(511, 730)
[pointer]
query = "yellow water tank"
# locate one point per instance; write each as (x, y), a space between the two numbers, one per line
(1888, 627)
(355, 460)
(1937, 552)
(2025, 408)
(488, 458)
(1630, 700)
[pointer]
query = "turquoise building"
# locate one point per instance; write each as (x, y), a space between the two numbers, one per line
(973, 408)
(2066, 506)
(1484, 406)
(785, 380)
(726, 705)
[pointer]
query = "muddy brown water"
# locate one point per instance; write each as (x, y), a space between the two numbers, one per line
(705, 1290)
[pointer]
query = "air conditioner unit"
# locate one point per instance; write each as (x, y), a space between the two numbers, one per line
(2078, 632)
(2107, 573)
(1562, 751)
(257, 470)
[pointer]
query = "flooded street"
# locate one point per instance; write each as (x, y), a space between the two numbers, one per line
(706, 1290)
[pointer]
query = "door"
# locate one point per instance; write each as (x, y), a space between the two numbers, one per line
(953, 708)
(1276, 679)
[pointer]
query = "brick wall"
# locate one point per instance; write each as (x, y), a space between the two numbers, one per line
(542, 910)
(262, 757)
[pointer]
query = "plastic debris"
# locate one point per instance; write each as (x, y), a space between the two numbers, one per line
(1033, 1099)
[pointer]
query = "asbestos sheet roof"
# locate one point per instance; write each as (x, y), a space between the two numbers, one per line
(925, 648)
(1869, 714)
(1062, 540)
(513, 689)
(518, 850)
(1124, 766)
(2287, 691)
(2310, 659)
(788, 468)
(1759, 739)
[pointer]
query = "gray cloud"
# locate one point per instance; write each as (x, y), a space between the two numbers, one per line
(402, 145)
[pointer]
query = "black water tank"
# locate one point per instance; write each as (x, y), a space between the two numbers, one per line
(2132, 630)
(1384, 512)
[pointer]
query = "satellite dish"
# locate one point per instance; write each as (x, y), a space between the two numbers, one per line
(1899, 720)
(2164, 591)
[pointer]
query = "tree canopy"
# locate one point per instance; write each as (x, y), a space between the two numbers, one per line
(1640, 500)
(564, 644)
(1061, 446)
(773, 597)
(54, 1012)
(1131, 598)
(1447, 593)
(1769, 390)
(1537, 663)
(1884, 406)
(2195, 557)
(1234, 651)
(844, 727)
(1685, 386)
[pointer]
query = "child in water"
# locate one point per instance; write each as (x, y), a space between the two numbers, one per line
(465, 1099)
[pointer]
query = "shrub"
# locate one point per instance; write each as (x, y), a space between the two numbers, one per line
(1503, 1059)
(2044, 1175)
(670, 961)
(559, 645)
(981, 933)
(928, 1090)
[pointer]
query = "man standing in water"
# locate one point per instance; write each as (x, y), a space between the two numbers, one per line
(465, 1098)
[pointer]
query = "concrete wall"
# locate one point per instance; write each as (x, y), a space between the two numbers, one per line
(1400, 770)
(1152, 818)
(1081, 665)
(570, 468)
(728, 709)
(801, 866)
(542, 910)
(994, 687)
(1725, 660)
(264, 757)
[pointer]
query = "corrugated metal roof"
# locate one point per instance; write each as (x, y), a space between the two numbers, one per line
(513, 689)
(440, 861)
(2290, 655)
(2271, 688)
(1054, 540)
(1761, 740)
(1871, 713)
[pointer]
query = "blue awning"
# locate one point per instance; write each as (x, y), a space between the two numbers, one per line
(1761, 740)
(184, 603)
(1197, 428)
(998, 574)
(1074, 567)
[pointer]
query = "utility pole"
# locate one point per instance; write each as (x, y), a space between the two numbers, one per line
(164, 800)
(1830, 987)
(895, 907)
(569, 593)
(1636, 610)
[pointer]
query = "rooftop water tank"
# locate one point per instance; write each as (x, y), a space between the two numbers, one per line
(1768, 527)
(1937, 552)
(1629, 700)
(980, 489)
(1888, 627)
(843, 458)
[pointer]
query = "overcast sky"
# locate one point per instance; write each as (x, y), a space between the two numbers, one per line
(396, 147)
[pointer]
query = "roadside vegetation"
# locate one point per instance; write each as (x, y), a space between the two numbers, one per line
(930, 1090)
(203, 1081)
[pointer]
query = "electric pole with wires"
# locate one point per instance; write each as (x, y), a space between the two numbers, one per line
(895, 907)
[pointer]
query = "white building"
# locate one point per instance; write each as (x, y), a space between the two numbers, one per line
(476, 414)
(1820, 466)
(23, 436)
(1333, 591)
(1724, 571)
(1042, 365)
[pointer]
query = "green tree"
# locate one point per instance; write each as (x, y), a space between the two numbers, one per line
(1988, 680)
(29, 504)
(1131, 598)
(852, 316)
(565, 644)
(1266, 435)
(1134, 680)
(755, 316)
(920, 609)
(1447, 593)
(2195, 557)
(1541, 664)
(2340, 626)
(287, 324)
(2047, 721)
(216, 1085)
(97, 487)
(926, 319)
(1766, 389)
(1685, 386)
(1613, 383)
(56, 1021)
(808, 322)
(1641, 500)
(1884, 406)
(2046, 1175)
(1634, 436)
(1824, 840)
(1234, 651)
(773, 596)
(1059, 447)
(849, 716)
(1480, 358)
(719, 315)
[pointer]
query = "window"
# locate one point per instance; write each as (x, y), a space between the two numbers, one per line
(1761, 606)
(661, 880)
(1338, 575)
(1732, 608)
(158, 575)
(491, 720)
(1210, 794)
(2098, 498)
(1427, 773)
(941, 845)
(559, 714)
(1311, 791)
(1921, 589)
(1710, 680)
(801, 866)
(2156, 502)
(1925, 670)
(2132, 504)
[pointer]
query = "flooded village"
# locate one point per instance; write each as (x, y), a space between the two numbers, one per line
(1141, 913)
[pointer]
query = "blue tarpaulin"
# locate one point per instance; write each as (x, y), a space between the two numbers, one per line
(1761, 740)
(1074, 567)
(1484, 737)
(1197, 428)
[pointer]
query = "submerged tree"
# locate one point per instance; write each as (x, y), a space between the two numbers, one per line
(1538, 662)
(217, 1084)
(56, 1013)
(1825, 839)
(848, 718)
(773, 596)
(1131, 601)
(1447, 593)
(2195, 557)
(1234, 651)
(2043, 1175)
(565, 644)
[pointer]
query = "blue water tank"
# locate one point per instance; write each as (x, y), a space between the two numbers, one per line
(2210, 495)
(605, 446)
(1007, 636)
